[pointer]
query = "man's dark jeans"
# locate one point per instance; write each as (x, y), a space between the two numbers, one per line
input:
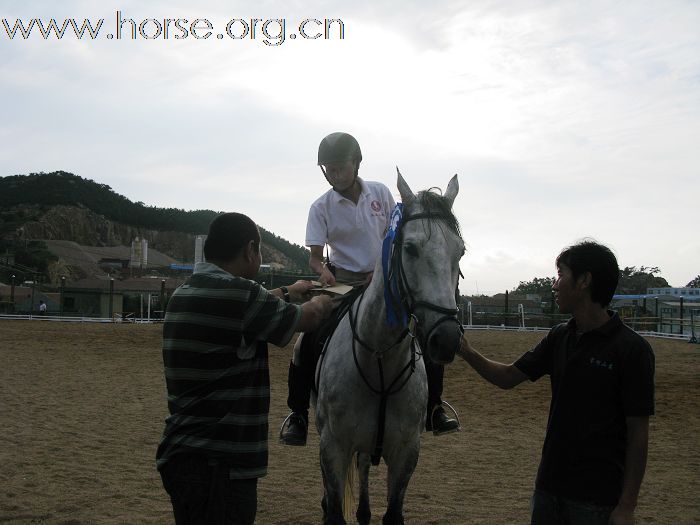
(202, 493)
(549, 509)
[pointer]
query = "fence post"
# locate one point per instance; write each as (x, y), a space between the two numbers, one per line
(31, 307)
(656, 313)
(681, 316)
(12, 292)
(111, 297)
(551, 303)
(162, 298)
(505, 311)
(60, 297)
(521, 311)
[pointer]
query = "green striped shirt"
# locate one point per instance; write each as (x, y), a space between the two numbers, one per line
(216, 370)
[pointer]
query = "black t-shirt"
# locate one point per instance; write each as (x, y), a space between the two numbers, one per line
(598, 379)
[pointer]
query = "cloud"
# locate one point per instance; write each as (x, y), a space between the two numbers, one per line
(562, 119)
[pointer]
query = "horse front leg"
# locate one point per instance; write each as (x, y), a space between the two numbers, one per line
(400, 469)
(334, 466)
(363, 514)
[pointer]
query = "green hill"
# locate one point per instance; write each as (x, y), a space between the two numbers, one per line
(24, 197)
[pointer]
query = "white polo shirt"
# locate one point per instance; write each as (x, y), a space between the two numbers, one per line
(353, 232)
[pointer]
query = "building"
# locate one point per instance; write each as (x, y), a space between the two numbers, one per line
(142, 297)
(685, 292)
(670, 313)
(26, 299)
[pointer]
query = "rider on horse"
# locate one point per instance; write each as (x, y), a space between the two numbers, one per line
(352, 218)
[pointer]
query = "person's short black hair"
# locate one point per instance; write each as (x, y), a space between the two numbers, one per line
(590, 256)
(228, 234)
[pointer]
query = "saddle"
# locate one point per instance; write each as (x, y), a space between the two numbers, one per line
(313, 344)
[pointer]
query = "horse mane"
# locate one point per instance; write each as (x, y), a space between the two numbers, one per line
(432, 202)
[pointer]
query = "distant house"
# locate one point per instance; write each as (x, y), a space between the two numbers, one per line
(113, 263)
(660, 312)
(679, 316)
(26, 300)
(135, 297)
(91, 298)
(685, 292)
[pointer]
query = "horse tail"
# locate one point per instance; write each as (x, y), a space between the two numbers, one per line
(349, 495)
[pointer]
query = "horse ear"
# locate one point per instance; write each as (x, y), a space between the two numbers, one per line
(405, 192)
(452, 190)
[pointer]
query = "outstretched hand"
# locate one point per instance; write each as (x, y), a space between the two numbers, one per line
(621, 516)
(326, 277)
(300, 290)
(464, 348)
(325, 304)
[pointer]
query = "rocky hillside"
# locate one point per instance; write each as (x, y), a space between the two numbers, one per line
(85, 227)
(62, 206)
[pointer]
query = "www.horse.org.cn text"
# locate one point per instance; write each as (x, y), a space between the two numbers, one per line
(270, 31)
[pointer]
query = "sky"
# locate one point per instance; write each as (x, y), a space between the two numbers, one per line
(563, 120)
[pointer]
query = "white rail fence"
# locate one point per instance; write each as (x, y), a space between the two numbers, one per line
(68, 319)
(144, 320)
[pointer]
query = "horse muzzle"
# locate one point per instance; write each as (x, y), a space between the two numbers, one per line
(443, 340)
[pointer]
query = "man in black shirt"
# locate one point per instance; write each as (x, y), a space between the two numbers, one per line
(602, 377)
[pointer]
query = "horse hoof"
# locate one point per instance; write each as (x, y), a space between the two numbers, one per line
(392, 520)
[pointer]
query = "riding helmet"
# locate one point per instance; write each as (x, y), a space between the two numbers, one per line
(338, 147)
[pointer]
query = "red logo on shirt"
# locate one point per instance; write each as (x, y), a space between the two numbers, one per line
(376, 205)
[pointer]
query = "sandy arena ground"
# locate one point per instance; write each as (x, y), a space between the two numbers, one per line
(82, 409)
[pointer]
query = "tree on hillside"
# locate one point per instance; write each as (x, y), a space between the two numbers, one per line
(31, 261)
(695, 283)
(541, 286)
(635, 280)
(44, 190)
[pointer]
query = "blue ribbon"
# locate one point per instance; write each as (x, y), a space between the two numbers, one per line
(395, 313)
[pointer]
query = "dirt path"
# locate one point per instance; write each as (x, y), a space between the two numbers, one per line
(82, 408)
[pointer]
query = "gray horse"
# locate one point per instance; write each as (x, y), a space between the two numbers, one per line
(372, 387)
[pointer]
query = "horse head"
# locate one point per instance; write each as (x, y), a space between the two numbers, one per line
(427, 252)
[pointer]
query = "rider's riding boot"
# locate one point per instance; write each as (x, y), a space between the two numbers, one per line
(295, 427)
(439, 422)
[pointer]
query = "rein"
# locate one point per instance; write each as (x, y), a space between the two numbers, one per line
(383, 392)
(405, 304)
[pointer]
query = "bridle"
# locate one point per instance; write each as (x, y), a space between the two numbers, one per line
(407, 302)
(406, 296)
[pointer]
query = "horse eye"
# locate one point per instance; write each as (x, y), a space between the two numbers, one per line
(411, 250)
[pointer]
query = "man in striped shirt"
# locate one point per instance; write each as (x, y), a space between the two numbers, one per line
(217, 326)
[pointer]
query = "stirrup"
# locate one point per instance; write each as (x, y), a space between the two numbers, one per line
(285, 425)
(432, 423)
